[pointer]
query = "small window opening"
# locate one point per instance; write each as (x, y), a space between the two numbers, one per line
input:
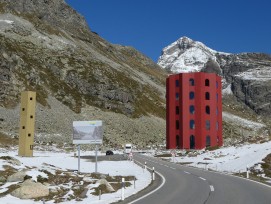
(207, 82)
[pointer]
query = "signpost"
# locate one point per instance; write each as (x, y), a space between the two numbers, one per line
(87, 132)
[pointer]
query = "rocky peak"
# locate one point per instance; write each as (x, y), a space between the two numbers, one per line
(186, 55)
(185, 43)
(247, 74)
(56, 13)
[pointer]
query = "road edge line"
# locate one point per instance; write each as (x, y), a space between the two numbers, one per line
(163, 182)
(228, 174)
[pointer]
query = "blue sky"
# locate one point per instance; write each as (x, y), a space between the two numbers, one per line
(233, 26)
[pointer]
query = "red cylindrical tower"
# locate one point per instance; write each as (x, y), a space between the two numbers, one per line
(194, 111)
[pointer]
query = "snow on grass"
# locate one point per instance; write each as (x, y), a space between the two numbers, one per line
(35, 173)
(52, 161)
(13, 200)
(6, 21)
(260, 74)
(241, 121)
(229, 159)
(4, 187)
(227, 90)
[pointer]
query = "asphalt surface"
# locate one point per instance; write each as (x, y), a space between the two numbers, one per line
(194, 186)
(115, 157)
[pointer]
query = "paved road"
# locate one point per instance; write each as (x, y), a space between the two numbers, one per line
(184, 185)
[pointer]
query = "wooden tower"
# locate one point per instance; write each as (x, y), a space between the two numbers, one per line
(27, 123)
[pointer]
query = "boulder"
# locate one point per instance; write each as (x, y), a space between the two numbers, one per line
(30, 189)
(109, 188)
(84, 193)
(17, 177)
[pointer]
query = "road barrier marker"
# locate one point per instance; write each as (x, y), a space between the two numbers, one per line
(122, 188)
(212, 188)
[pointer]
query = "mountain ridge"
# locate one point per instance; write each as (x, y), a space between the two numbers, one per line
(246, 79)
(77, 76)
(81, 76)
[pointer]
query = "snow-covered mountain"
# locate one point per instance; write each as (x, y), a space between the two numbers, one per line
(245, 77)
(186, 55)
(247, 74)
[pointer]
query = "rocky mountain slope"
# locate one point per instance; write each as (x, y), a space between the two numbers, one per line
(246, 82)
(46, 46)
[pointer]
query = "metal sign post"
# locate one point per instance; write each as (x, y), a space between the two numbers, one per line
(78, 158)
(96, 158)
(88, 132)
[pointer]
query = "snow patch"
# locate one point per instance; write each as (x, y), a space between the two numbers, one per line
(261, 74)
(227, 91)
(241, 121)
(35, 173)
(6, 21)
(229, 159)
(51, 161)
(186, 55)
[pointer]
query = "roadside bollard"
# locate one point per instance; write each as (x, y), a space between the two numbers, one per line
(153, 174)
(134, 182)
(145, 167)
(122, 188)
(247, 172)
(100, 192)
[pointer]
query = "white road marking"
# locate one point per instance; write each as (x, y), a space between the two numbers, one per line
(163, 182)
(202, 178)
(187, 172)
(212, 188)
(172, 167)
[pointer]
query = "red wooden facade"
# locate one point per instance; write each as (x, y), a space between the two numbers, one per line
(194, 111)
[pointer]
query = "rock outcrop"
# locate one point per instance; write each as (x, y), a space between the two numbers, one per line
(17, 177)
(55, 13)
(247, 73)
(45, 46)
(30, 190)
(109, 188)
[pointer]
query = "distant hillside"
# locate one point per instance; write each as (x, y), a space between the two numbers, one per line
(46, 46)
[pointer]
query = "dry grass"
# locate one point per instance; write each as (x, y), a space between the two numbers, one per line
(64, 181)
(267, 165)
(6, 141)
